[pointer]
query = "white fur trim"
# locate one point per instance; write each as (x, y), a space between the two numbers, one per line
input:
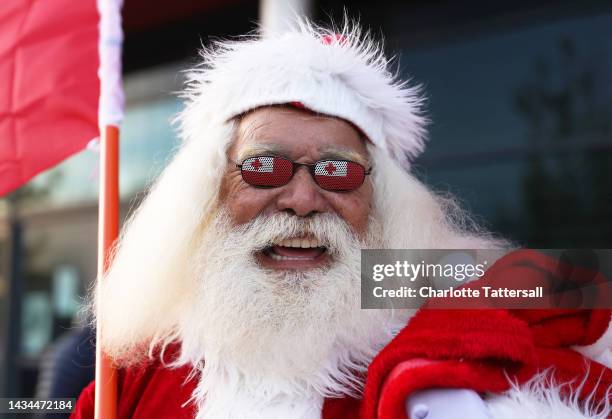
(348, 78)
(540, 398)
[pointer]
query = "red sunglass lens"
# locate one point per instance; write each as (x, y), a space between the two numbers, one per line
(339, 175)
(267, 172)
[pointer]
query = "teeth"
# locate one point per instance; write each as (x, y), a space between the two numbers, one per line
(279, 257)
(304, 243)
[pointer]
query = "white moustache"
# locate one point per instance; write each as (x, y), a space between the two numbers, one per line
(321, 230)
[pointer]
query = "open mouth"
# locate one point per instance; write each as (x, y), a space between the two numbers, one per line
(294, 253)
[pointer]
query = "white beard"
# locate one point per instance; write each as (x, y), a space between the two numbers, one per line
(275, 344)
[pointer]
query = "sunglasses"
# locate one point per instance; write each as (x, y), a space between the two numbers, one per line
(331, 175)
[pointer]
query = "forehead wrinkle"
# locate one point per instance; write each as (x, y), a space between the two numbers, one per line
(249, 128)
(248, 133)
(256, 142)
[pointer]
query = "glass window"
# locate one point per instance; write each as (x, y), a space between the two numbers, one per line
(521, 127)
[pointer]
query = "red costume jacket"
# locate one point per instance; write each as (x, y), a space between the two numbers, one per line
(476, 349)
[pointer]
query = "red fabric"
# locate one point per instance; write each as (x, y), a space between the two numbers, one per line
(153, 390)
(150, 390)
(49, 86)
(475, 349)
(480, 349)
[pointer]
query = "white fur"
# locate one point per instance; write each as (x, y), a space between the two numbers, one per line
(349, 78)
(541, 398)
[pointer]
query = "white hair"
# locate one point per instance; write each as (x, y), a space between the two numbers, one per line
(138, 301)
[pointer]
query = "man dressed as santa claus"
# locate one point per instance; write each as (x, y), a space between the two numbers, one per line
(235, 288)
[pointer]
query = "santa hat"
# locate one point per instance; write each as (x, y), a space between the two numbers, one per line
(344, 75)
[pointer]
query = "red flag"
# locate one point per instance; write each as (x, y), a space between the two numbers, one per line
(49, 86)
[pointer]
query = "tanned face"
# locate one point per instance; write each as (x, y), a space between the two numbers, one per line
(304, 138)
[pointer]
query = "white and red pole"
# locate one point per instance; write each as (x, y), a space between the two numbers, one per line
(110, 115)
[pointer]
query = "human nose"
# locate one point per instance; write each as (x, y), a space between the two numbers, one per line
(302, 196)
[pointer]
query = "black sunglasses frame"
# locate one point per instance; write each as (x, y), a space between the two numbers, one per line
(311, 170)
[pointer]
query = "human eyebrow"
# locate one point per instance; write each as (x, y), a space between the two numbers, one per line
(253, 150)
(343, 154)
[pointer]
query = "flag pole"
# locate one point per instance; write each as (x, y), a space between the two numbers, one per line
(108, 231)
(110, 115)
